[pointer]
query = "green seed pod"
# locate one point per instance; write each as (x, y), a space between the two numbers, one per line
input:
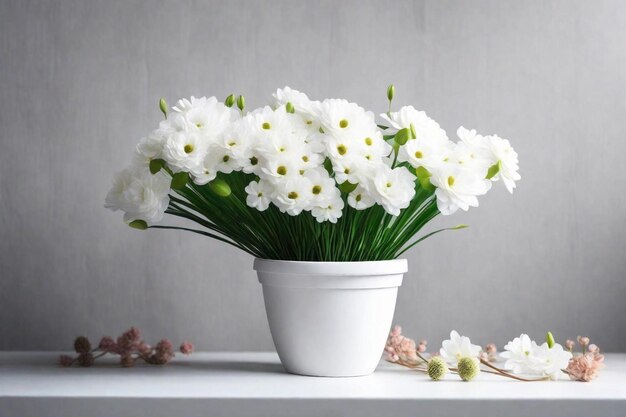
(550, 340)
(230, 100)
(390, 92)
(289, 107)
(163, 107)
(220, 187)
(468, 368)
(138, 224)
(241, 102)
(437, 368)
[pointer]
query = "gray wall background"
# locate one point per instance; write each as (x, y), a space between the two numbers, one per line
(80, 82)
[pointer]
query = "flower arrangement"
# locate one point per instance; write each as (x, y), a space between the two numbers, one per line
(130, 347)
(307, 180)
(522, 356)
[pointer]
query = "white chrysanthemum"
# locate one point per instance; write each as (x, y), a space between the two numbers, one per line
(425, 128)
(323, 187)
(141, 195)
(360, 198)
(501, 150)
(490, 150)
(457, 187)
(184, 151)
(340, 118)
(524, 356)
(331, 211)
(292, 194)
(392, 188)
(259, 194)
(206, 116)
(518, 354)
(303, 106)
(217, 159)
(425, 153)
(458, 347)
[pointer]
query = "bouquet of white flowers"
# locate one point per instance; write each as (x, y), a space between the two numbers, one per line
(307, 180)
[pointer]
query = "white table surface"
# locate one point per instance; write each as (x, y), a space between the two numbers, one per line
(255, 384)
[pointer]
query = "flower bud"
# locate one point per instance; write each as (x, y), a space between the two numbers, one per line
(289, 108)
(85, 359)
(230, 100)
(241, 102)
(413, 134)
(468, 368)
(583, 340)
(220, 187)
(138, 224)
(402, 136)
(390, 92)
(437, 368)
(163, 107)
(569, 344)
(550, 339)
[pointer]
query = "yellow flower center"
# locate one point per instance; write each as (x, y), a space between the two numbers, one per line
(266, 126)
(225, 158)
(419, 154)
(188, 148)
(450, 180)
(293, 195)
(343, 123)
(316, 189)
(254, 160)
(342, 149)
(305, 158)
(368, 141)
(281, 170)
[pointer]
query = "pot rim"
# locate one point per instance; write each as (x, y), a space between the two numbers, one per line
(350, 268)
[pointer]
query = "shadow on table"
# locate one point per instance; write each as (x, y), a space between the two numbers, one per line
(233, 366)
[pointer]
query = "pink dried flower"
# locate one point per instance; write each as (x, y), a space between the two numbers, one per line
(85, 359)
(585, 367)
(186, 348)
(399, 347)
(593, 349)
(144, 348)
(65, 360)
(491, 348)
(421, 348)
(483, 356)
(129, 340)
(583, 341)
(82, 344)
(107, 344)
(569, 344)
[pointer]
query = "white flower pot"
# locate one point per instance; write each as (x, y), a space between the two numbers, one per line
(330, 318)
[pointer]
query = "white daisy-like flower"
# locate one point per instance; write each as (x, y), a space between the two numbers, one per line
(549, 361)
(392, 188)
(360, 198)
(303, 106)
(184, 151)
(518, 354)
(140, 195)
(524, 356)
(340, 118)
(259, 194)
(206, 116)
(323, 190)
(502, 151)
(424, 127)
(457, 187)
(424, 153)
(458, 347)
(292, 195)
(331, 211)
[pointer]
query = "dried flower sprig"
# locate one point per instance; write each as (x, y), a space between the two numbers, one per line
(584, 366)
(130, 347)
(522, 354)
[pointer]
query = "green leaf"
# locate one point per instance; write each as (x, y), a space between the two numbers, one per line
(383, 127)
(163, 107)
(387, 137)
(328, 165)
(459, 227)
(402, 136)
(220, 187)
(423, 176)
(138, 224)
(156, 165)
(179, 180)
(413, 134)
(493, 170)
(550, 339)
(347, 187)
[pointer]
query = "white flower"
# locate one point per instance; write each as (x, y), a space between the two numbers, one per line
(323, 190)
(392, 188)
(524, 356)
(331, 211)
(501, 150)
(424, 152)
(458, 347)
(303, 106)
(518, 354)
(425, 128)
(259, 194)
(141, 195)
(549, 361)
(206, 116)
(293, 194)
(340, 118)
(360, 198)
(457, 187)
(184, 151)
